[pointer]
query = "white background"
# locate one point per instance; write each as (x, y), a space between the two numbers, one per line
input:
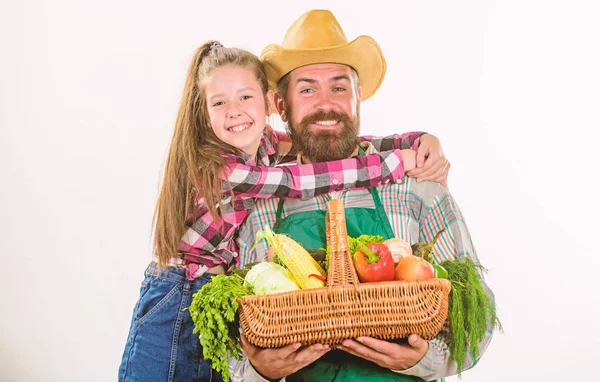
(89, 94)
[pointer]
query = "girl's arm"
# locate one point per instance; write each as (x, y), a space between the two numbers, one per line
(206, 236)
(309, 180)
(402, 141)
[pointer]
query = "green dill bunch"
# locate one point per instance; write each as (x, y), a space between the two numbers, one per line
(469, 310)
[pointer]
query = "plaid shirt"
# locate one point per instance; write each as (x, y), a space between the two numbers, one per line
(208, 243)
(416, 211)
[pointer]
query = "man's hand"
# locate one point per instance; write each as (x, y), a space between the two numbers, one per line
(278, 363)
(432, 165)
(386, 354)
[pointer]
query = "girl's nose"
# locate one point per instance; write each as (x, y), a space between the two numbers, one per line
(233, 110)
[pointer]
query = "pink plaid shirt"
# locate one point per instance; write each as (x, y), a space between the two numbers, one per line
(208, 243)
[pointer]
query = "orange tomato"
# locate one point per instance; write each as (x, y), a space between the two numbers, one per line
(413, 268)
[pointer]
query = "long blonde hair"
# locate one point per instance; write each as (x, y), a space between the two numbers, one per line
(195, 161)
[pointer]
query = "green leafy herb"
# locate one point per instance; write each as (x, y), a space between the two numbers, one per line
(214, 313)
(469, 308)
(355, 243)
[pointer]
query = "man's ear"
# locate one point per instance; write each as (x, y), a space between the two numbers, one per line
(359, 94)
(270, 102)
(279, 106)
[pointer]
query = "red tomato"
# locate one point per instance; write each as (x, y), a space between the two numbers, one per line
(413, 268)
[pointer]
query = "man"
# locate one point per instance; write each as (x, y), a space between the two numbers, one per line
(320, 80)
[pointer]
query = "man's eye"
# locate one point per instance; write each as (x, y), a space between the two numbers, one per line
(339, 89)
(307, 91)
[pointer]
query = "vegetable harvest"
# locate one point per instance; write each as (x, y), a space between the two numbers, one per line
(214, 308)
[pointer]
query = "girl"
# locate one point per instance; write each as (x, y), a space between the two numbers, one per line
(217, 164)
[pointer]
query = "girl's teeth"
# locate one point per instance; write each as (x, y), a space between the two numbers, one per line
(239, 128)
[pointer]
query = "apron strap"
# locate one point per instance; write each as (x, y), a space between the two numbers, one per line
(277, 226)
(385, 222)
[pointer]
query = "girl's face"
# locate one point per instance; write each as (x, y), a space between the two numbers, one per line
(236, 107)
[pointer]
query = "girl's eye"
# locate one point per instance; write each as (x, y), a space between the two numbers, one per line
(246, 97)
(219, 103)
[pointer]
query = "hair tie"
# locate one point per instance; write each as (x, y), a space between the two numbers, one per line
(215, 45)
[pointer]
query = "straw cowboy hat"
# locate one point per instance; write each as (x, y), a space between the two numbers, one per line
(317, 37)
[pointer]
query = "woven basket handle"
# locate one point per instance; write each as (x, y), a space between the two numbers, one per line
(341, 270)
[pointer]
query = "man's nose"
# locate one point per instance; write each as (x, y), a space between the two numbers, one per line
(325, 101)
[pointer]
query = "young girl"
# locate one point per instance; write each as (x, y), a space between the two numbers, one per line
(217, 164)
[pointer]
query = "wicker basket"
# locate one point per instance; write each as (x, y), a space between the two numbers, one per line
(345, 308)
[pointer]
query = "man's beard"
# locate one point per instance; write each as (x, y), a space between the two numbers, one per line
(325, 145)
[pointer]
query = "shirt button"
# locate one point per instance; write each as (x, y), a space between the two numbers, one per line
(335, 181)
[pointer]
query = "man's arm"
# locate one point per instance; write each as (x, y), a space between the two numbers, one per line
(431, 359)
(439, 212)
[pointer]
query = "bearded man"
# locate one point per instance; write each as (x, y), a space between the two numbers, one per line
(321, 79)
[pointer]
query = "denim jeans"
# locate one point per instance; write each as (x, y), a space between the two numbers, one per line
(160, 345)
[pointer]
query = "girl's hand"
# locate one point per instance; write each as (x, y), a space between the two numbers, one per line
(409, 159)
(432, 165)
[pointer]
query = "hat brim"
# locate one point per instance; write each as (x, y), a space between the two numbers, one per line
(363, 54)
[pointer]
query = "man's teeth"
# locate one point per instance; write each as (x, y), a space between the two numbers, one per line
(326, 123)
(238, 128)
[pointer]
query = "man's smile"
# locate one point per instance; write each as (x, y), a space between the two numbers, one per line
(326, 125)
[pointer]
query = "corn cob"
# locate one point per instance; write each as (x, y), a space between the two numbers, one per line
(299, 262)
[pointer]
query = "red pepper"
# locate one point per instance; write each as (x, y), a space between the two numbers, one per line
(374, 262)
(320, 277)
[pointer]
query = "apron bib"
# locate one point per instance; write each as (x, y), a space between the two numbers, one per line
(308, 228)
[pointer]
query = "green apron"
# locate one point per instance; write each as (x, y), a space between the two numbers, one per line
(308, 228)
